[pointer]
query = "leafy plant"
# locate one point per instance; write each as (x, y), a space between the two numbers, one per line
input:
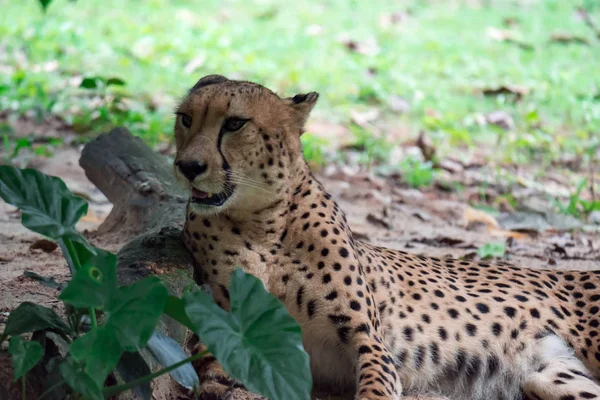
(373, 148)
(490, 250)
(107, 325)
(417, 173)
(576, 206)
(312, 147)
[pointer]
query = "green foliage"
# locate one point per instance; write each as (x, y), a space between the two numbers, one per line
(25, 355)
(490, 250)
(48, 207)
(373, 149)
(123, 319)
(258, 335)
(417, 173)
(99, 82)
(576, 206)
(31, 317)
(442, 76)
(312, 147)
(45, 4)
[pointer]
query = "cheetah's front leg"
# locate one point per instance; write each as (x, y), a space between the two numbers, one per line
(376, 375)
(357, 335)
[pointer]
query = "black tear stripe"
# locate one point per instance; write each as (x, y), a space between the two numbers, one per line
(229, 187)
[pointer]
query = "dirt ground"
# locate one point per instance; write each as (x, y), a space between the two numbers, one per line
(379, 210)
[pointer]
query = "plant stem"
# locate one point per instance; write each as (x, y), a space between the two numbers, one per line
(69, 245)
(77, 264)
(116, 389)
(51, 389)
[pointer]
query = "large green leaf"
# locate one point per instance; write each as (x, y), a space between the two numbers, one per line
(134, 312)
(30, 317)
(95, 284)
(48, 207)
(74, 374)
(259, 343)
(98, 352)
(25, 355)
(175, 308)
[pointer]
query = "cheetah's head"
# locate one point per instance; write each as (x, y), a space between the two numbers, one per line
(238, 144)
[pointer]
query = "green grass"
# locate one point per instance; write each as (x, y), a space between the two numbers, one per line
(437, 58)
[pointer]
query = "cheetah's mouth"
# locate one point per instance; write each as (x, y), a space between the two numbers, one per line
(212, 199)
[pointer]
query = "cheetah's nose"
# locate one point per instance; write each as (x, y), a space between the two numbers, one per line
(191, 169)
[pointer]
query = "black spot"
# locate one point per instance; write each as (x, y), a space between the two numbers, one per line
(299, 296)
(348, 280)
(324, 252)
(225, 292)
(587, 395)
(355, 305)
(557, 313)
(453, 313)
(443, 333)
(482, 308)
(236, 231)
(419, 356)
(363, 328)
(493, 365)
(364, 350)
(535, 313)
(331, 296)
(311, 306)
(564, 375)
(496, 329)
(343, 252)
(434, 350)
(339, 319)
(471, 329)
(510, 311)
(408, 333)
(343, 334)
(326, 278)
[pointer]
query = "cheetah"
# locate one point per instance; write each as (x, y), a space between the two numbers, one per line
(381, 323)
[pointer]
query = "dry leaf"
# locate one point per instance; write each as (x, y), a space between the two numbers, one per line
(378, 221)
(567, 38)
(45, 245)
(501, 119)
(399, 104)
(426, 146)
(513, 90)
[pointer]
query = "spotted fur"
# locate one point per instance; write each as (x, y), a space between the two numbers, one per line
(381, 322)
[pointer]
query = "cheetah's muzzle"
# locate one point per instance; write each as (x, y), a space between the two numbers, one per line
(213, 200)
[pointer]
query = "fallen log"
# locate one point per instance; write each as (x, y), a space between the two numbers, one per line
(148, 215)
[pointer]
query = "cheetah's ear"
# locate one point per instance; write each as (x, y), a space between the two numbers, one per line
(301, 105)
(208, 80)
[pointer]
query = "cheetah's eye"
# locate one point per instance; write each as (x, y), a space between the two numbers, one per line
(233, 124)
(186, 120)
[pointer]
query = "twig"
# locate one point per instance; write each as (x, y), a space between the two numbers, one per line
(587, 18)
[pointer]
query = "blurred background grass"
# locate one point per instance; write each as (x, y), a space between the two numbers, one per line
(519, 78)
